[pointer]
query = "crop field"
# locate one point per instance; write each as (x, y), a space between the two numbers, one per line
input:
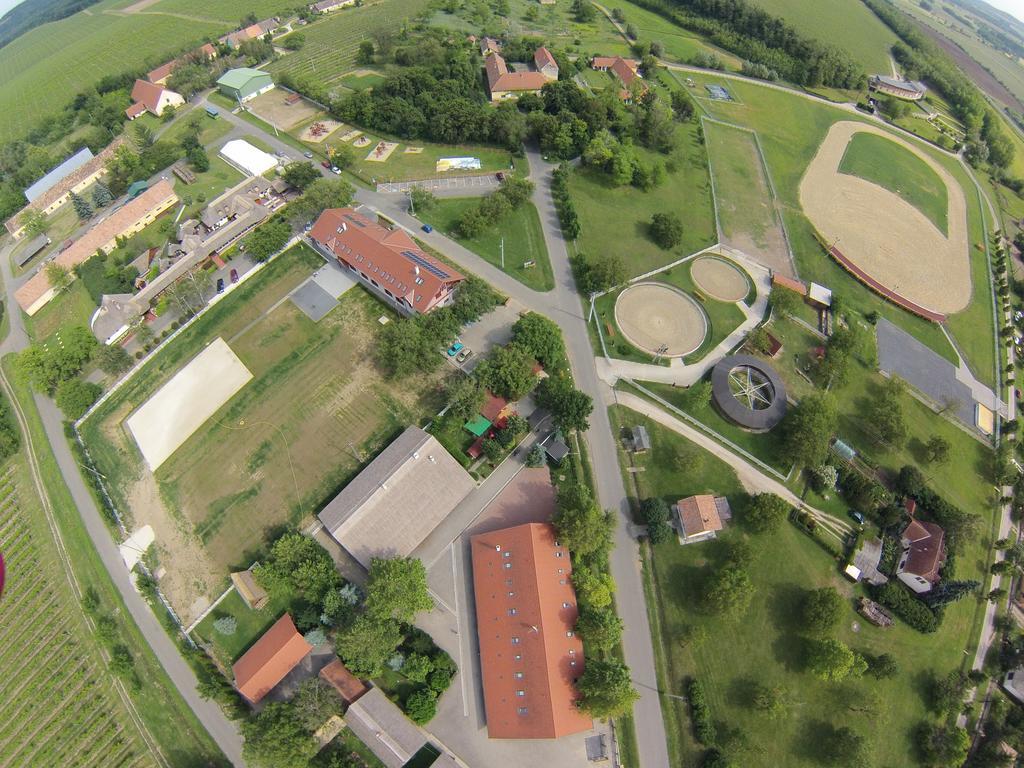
(72, 54)
(228, 11)
(332, 43)
(314, 411)
(58, 705)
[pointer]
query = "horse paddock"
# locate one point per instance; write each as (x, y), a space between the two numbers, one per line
(660, 319)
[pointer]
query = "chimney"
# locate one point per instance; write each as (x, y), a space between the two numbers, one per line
(416, 270)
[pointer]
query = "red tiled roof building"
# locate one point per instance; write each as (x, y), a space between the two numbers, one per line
(273, 656)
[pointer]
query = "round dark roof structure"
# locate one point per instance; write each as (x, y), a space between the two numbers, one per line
(749, 392)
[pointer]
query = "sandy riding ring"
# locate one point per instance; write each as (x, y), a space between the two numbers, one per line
(720, 279)
(660, 319)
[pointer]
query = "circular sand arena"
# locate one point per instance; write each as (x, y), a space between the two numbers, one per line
(720, 279)
(658, 318)
(889, 244)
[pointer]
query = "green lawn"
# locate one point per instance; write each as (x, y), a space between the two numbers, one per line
(887, 164)
(615, 220)
(251, 625)
(764, 645)
(409, 166)
(360, 82)
(208, 186)
(73, 307)
(520, 230)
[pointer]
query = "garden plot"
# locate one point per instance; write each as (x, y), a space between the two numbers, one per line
(181, 406)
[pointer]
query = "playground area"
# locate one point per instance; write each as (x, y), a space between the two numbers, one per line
(888, 241)
(720, 279)
(319, 130)
(279, 108)
(660, 319)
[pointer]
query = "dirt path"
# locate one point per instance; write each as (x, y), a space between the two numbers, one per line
(887, 237)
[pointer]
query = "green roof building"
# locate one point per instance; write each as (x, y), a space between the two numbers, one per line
(244, 83)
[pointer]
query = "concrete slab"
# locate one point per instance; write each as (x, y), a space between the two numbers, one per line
(313, 300)
(333, 279)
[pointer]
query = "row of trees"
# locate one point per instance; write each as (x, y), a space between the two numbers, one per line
(55, 368)
(512, 193)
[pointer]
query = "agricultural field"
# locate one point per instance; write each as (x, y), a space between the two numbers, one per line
(225, 11)
(520, 230)
(332, 42)
(763, 646)
(883, 162)
(72, 54)
(850, 26)
(314, 411)
(58, 701)
(615, 220)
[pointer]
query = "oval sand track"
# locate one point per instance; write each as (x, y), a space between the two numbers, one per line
(885, 236)
(654, 314)
(719, 279)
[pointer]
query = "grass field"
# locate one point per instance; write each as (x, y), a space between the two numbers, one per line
(227, 11)
(763, 646)
(59, 705)
(332, 42)
(885, 163)
(522, 236)
(72, 54)
(410, 166)
(746, 206)
(251, 625)
(72, 307)
(615, 220)
(314, 411)
(850, 26)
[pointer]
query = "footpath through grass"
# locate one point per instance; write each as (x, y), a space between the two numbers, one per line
(885, 163)
(520, 230)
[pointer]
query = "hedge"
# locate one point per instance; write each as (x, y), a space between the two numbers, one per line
(703, 728)
(910, 609)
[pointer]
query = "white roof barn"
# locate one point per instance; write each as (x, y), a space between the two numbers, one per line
(247, 158)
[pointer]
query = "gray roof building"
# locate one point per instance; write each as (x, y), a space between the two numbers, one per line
(641, 440)
(382, 727)
(394, 504)
(35, 246)
(58, 174)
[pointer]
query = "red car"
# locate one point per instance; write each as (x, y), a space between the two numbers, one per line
(326, 165)
(234, 275)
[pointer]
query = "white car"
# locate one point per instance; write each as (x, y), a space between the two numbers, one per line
(336, 170)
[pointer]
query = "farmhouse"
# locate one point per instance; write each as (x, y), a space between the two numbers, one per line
(700, 517)
(388, 262)
(901, 89)
(326, 6)
(58, 174)
(246, 158)
(489, 45)
(252, 32)
(244, 83)
(394, 504)
(124, 222)
(503, 83)
(924, 553)
(273, 656)
(530, 656)
(160, 75)
(152, 98)
(626, 70)
(382, 727)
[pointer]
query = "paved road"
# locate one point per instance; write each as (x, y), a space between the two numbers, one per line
(223, 731)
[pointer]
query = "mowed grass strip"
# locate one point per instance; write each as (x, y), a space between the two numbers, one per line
(887, 164)
(764, 646)
(520, 230)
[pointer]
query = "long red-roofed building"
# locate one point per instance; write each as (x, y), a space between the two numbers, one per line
(504, 83)
(387, 261)
(530, 656)
(270, 659)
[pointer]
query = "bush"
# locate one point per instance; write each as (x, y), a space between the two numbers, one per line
(913, 612)
(421, 706)
(700, 715)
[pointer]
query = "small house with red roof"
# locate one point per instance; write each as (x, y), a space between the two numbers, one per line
(152, 98)
(504, 83)
(271, 658)
(924, 554)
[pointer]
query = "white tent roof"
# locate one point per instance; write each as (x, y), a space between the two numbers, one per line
(247, 158)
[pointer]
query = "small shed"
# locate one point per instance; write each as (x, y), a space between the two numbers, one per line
(137, 188)
(852, 572)
(556, 449)
(641, 440)
(819, 295)
(477, 426)
(252, 594)
(348, 686)
(843, 451)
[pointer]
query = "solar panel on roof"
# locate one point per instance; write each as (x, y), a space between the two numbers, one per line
(430, 267)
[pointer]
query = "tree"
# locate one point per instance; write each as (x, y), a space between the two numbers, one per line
(58, 275)
(771, 701)
(654, 513)
(582, 526)
(396, 588)
(365, 53)
(729, 591)
(82, 208)
(276, 738)
(226, 625)
(807, 429)
(298, 564)
(666, 230)
(936, 450)
(113, 359)
(821, 610)
(268, 239)
(368, 644)
(570, 408)
(829, 659)
(536, 456)
(765, 513)
(784, 301)
(845, 748)
(882, 666)
(422, 199)
(465, 397)
(583, 11)
(75, 396)
(949, 591)
(318, 196)
(682, 106)
(942, 744)
(417, 667)
(593, 588)
(199, 159)
(34, 221)
(101, 196)
(301, 175)
(315, 702)
(294, 42)
(824, 478)
(597, 275)
(600, 628)
(886, 413)
(606, 689)
(541, 337)
(421, 706)
(508, 372)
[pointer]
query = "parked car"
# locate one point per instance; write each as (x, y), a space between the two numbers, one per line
(220, 285)
(464, 355)
(500, 175)
(857, 516)
(427, 228)
(234, 275)
(325, 164)
(336, 170)
(307, 154)
(455, 348)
